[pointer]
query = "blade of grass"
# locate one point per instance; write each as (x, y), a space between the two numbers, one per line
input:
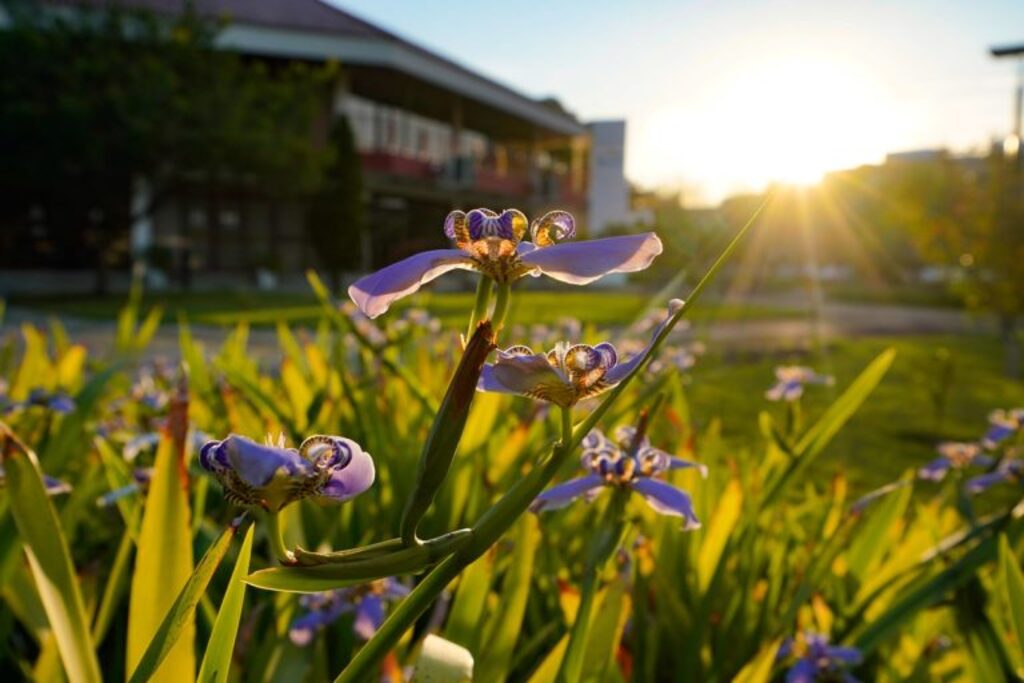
(181, 615)
(217, 660)
(49, 558)
(163, 562)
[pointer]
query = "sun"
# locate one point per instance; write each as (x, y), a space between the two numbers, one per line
(806, 117)
(786, 120)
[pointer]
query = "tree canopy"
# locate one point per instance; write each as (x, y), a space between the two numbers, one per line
(94, 100)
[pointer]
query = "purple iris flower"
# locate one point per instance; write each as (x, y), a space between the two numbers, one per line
(954, 455)
(328, 468)
(1002, 425)
(790, 381)
(566, 374)
(1009, 470)
(623, 463)
(493, 244)
(816, 660)
(367, 601)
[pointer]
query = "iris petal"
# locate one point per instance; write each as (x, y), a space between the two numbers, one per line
(559, 496)
(369, 616)
(667, 500)
(847, 655)
(375, 293)
(580, 263)
(935, 470)
(804, 671)
(526, 375)
(986, 481)
(352, 479)
(256, 464)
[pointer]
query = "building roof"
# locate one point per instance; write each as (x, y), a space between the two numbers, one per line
(316, 30)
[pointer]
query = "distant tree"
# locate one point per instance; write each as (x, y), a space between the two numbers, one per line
(334, 218)
(95, 101)
(969, 218)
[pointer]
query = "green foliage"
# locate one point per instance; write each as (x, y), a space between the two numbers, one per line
(334, 218)
(49, 559)
(221, 646)
(781, 548)
(163, 565)
(95, 100)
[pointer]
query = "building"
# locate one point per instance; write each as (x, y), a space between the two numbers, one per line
(433, 135)
(608, 200)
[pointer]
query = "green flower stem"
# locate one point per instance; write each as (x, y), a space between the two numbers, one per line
(794, 421)
(493, 523)
(274, 536)
(605, 541)
(501, 305)
(483, 298)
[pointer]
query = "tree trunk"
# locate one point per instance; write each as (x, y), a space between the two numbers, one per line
(1011, 345)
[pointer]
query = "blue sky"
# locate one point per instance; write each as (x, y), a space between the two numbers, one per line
(726, 96)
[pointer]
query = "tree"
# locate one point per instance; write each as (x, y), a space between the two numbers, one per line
(968, 215)
(93, 101)
(334, 218)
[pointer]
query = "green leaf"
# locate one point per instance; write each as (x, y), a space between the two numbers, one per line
(217, 660)
(723, 521)
(117, 582)
(194, 359)
(927, 591)
(463, 626)
(1011, 581)
(163, 565)
(506, 620)
(871, 541)
(759, 669)
(330, 571)
(180, 618)
(814, 440)
(48, 558)
(148, 328)
(606, 629)
(35, 370)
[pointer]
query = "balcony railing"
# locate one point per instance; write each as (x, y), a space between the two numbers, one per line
(470, 174)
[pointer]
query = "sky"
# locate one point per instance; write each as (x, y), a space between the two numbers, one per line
(726, 96)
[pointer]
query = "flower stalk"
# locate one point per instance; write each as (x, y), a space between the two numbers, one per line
(445, 433)
(483, 299)
(501, 305)
(275, 536)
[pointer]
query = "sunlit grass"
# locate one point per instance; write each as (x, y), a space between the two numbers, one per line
(229, 308)
(896, 430)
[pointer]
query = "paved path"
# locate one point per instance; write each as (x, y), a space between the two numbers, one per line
(835, 321)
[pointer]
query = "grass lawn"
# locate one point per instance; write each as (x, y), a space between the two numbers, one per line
(896, 429)
(259, 308)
